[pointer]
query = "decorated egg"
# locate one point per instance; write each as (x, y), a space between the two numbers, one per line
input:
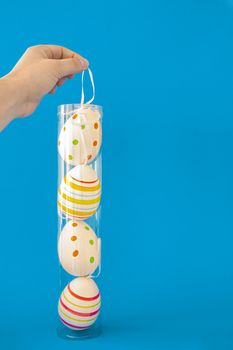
(80, 138)
(79, 193)
(79, 303)
(78, 248)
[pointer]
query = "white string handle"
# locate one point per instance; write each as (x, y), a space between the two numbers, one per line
(93, 87)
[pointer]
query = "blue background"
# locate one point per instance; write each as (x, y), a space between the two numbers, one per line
(164, 74)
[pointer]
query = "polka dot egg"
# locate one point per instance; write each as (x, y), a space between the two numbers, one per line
(79, 193)
(80, 138)
(78, 248)
(79, 304)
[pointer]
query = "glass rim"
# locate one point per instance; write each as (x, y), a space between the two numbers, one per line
(63, 107)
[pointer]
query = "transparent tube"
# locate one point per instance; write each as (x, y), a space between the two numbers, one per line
(79, 213)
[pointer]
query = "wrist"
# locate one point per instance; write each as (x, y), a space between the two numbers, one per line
(12, 99)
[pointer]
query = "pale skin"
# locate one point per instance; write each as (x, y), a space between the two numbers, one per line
(38, 72)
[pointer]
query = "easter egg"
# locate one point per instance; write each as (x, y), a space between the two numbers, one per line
(79, 193)
(78, 248)
(79, 303)
(80, 138)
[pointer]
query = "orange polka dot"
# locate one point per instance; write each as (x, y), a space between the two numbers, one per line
(75, 116)
(59, 143)
(64, 128)
(95, 143)
(73, 238)
(75, 253)
(74, 224)
(96, 125)
(89, 157)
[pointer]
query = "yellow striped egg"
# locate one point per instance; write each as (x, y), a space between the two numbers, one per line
(79, 303)
(80, 138)
(79, 193)
(78, 248)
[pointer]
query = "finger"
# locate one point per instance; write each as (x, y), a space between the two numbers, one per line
(70, 76)
(58, 52)
(70, 66)
(52, 91)
(61, 82)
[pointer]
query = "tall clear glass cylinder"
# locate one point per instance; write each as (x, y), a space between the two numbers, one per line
(79, 213)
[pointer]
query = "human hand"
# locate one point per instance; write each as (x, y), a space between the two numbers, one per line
(37, 73)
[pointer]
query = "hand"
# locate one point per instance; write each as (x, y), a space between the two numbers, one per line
(37, 73)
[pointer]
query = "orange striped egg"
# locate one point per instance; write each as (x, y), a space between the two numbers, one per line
(79, 193)
(79, 303)
(80, 139)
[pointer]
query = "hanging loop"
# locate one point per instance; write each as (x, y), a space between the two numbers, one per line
(93, 87)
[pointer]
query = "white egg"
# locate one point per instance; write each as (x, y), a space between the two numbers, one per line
(79, 193)
(78, 248)
(79, 304)
(80, 138)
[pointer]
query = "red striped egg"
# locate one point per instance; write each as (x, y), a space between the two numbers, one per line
(79, 304)
(79, 193)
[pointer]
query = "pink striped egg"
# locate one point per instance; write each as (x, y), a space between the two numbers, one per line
(79, 193)
(79, 304)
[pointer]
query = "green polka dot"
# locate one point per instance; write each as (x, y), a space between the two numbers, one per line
(83, 126)
(92, 259)
(87, 228)
(91, 242)
(70, 157)
(75, 142)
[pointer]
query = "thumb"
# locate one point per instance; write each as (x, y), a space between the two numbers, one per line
(68, 66)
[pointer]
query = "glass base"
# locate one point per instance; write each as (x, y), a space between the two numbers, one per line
(70, 334)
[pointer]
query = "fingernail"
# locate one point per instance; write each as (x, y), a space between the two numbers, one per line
(84, 62)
